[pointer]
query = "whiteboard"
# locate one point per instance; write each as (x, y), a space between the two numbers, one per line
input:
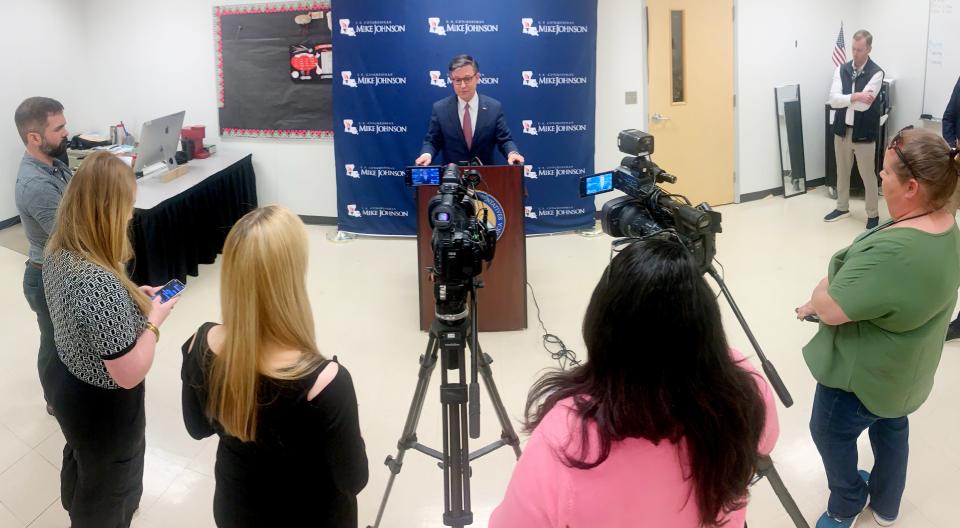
(943, 56)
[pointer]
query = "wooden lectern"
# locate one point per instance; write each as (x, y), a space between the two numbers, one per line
(502, 302)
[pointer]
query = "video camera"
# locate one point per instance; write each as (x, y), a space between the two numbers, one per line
(461, 240)
(647, 209)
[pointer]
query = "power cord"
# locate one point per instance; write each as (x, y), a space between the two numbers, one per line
(564, 356)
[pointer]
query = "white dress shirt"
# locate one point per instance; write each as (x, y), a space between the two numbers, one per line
(474, 108)
(840, 100)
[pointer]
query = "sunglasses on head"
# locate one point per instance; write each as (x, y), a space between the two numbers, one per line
(896, 143)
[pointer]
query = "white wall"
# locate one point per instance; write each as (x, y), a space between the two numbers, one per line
(621, 55)
(620, 68)
(174, 70)
(767, 57)
(783, 42)
(899, 32)
(37, 41)
(171, 67)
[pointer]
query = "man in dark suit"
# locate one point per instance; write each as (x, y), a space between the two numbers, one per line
(467, 125)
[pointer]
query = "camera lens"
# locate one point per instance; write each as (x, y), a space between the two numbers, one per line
(443, 217)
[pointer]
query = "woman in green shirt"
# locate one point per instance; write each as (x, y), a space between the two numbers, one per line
(884, 308)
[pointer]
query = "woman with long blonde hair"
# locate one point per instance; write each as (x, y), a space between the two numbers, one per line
(290, 449)
(106, 331)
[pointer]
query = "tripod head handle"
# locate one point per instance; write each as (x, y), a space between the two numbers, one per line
(777, 382)
(771, 372)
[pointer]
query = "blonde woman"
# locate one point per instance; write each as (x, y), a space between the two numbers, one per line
(106, 331)
(290, 450)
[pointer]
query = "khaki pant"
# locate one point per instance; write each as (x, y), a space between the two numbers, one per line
(845, 150)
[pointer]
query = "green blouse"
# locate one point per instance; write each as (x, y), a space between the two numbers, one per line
(898, 286)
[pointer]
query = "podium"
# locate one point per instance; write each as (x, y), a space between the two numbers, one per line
(502, 302)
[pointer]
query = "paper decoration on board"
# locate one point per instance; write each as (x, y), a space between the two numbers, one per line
(311, 62)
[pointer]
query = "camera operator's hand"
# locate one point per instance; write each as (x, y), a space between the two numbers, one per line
(423, 160)
(514, 158)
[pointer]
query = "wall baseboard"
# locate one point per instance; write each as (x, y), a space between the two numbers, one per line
(777, 191)
(319, 220)
(9, 222)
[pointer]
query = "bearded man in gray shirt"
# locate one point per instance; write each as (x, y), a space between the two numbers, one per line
(41, 181)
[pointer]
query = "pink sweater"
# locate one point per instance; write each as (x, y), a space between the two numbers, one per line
(639, 485)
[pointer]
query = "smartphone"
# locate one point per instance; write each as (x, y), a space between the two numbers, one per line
(596, 184)
(170, 290)
(417, 176)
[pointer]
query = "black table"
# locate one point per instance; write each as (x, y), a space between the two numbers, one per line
(173, 236)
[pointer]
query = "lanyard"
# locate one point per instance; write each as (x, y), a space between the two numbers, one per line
(892, 222)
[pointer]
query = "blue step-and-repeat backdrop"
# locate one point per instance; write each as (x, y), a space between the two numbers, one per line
(390, 61)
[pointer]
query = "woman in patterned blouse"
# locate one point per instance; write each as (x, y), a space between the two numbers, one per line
(106, 331)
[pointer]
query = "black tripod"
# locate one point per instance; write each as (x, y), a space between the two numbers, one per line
(449, 337)
(766, 468)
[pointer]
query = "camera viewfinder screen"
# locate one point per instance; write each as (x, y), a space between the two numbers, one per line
(599, 183)
(424, 175)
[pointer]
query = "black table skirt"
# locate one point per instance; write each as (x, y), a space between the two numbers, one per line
(172, 239)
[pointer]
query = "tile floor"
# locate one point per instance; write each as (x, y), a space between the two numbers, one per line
(364, 298)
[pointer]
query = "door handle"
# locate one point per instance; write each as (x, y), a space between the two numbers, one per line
(657, 117)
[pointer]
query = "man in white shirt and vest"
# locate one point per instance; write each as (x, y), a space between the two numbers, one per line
(856, 124)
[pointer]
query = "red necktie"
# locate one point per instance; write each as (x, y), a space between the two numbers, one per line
(467, 126)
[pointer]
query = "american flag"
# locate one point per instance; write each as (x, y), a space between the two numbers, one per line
(839, 53)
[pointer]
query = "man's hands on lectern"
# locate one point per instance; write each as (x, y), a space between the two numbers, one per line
(423, 160)
(514, 158)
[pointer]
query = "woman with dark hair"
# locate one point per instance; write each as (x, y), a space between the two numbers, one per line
(661, 426)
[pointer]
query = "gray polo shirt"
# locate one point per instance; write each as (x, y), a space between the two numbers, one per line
(38, 193)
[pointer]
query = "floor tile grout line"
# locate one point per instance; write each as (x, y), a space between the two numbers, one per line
(26, 441)
(15, 462)
(12, 514)
(55, 501)
(21, 456)
(165, 490)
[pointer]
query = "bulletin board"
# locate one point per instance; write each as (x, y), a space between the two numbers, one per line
(274, 64)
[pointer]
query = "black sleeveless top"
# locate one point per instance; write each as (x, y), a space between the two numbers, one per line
(308, 462)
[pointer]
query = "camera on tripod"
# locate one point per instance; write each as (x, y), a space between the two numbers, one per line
(461, 240)
(647, 209)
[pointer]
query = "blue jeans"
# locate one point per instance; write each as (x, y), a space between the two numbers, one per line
(33, 291)
(837, 420)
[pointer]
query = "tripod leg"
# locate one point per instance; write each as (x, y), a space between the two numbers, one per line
(509, 435)
(766, 469)
(456, 449)
(428, 361)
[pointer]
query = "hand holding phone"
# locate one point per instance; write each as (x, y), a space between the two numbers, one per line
(163, 298)
(170, 290)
